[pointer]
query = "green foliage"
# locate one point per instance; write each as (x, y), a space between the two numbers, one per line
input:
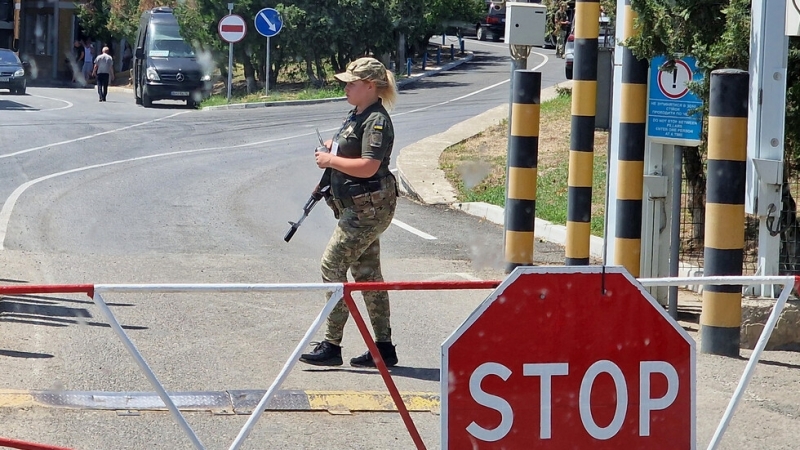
(717, 33)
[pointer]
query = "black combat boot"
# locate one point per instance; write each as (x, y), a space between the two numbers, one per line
(388, 354)
(324, 354)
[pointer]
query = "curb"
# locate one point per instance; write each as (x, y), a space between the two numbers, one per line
(400, 84)
(421, 179)
(234, 402)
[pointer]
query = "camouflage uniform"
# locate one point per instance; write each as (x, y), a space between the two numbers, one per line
(365, 208)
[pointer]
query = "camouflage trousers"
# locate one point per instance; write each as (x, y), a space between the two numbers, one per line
(355, 245)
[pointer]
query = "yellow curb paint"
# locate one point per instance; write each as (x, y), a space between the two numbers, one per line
(338, 401)
(16, 399)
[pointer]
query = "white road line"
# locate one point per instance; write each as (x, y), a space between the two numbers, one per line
(91, 136)
(413, 230)
(69, 104)
(8, 206)
(544, 57)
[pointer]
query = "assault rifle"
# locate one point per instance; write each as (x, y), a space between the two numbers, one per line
(322, 190)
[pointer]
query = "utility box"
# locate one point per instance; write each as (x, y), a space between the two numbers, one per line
(526, 24)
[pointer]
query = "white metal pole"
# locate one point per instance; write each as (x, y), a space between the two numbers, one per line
(148, 372)
(266, 71)
(751, 364)
(336, 297)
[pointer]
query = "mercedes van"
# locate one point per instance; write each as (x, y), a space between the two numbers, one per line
(165, 66)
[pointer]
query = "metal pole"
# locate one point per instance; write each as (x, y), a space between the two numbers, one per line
(230, 70)
(230, 59)
(148, 372)
(675, 230)
(266, 71)
(54, 40)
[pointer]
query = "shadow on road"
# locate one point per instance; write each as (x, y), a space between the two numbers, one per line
(10, 105)
(422, 373)
(26, 355)
(34, 311)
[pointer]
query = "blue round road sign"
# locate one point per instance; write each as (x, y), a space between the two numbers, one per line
(268, 22)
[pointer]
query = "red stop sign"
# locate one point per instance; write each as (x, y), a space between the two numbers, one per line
(568, 357)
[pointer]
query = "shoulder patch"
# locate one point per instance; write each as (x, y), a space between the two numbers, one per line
(375, 138)
(379, 123)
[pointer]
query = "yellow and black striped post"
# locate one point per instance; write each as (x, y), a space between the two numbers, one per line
(630, 165)
(724, 233)
(523, 153)
(581, 154)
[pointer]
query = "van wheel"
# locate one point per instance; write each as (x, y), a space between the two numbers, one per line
(191, 104)
(481, 34)
(146, 100)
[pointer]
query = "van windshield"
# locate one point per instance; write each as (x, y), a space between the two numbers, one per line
(165, 41)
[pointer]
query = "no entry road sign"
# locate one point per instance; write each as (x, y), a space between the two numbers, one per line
(568, 357)
(232, 28)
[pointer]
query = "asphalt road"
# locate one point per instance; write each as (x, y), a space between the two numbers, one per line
(116, 193)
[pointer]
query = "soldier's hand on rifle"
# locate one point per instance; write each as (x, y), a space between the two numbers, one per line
(323, 159)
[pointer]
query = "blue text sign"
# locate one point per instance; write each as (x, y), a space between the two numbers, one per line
(268, 22)
(669, 102)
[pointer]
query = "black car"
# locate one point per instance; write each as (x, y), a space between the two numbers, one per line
(12, 72)
(493, 24)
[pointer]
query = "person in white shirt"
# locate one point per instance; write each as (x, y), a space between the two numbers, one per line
(103, 71)
(88, 59)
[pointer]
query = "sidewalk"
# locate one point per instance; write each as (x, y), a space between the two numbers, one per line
(420, 176)
(416, 74)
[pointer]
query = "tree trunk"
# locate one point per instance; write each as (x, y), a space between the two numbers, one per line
(401, 51)
(310, 70)
(696, 181)
(249, 75)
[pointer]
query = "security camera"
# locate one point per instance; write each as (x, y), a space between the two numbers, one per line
(498, 4)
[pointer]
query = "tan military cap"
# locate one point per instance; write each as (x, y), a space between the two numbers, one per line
(363, 69)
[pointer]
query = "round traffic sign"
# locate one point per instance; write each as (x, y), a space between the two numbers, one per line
(232, 28)
(674, 84)
(268, 22)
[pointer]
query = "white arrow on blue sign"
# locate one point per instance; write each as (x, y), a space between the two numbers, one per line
(268, 22)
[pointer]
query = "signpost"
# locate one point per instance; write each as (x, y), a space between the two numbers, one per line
(568, 357)
(232, 29)
(669, 103)
(268, 23)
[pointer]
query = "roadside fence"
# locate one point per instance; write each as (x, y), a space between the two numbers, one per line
(344, 291)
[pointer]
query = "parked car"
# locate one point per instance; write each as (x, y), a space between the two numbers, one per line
(493, 24)
(13, 75)
(605, 40)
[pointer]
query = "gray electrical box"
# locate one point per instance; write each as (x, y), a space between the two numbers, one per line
(526, 24)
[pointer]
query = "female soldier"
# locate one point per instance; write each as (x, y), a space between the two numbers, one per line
(364, 197)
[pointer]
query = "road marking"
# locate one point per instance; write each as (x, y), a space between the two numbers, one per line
(413, 230)
(69, 104)
(544, 57)
(91, 136)
(222, 402)
(11, 201)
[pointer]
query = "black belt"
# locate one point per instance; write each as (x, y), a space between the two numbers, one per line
(363, 189)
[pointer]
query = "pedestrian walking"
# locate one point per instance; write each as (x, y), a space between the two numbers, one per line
(76, 60)
(88, 59)
(103, 72)
(364, 198)
(562, 23)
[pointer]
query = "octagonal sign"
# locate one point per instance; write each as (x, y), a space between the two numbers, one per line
(568, 357)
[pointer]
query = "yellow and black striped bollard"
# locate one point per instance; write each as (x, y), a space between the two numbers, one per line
(523, 153)
(630, 165)
(581, 154)
(721, 316)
